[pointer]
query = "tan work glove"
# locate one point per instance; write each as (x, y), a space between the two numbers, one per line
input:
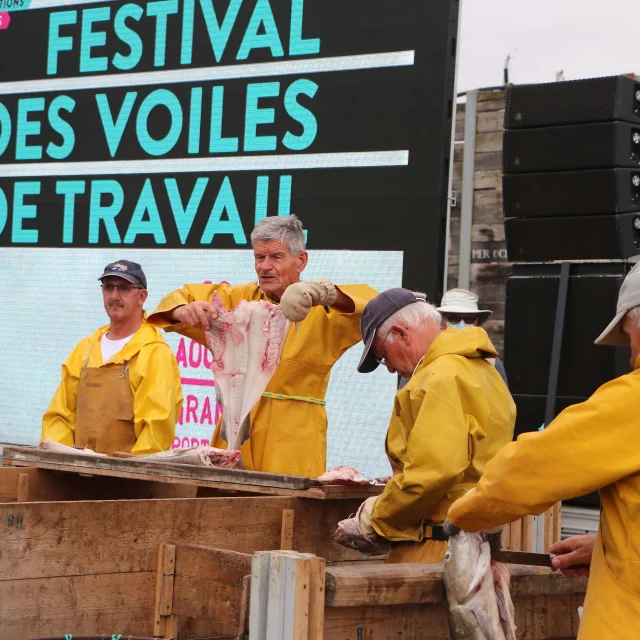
(298, 298)
(357, 532)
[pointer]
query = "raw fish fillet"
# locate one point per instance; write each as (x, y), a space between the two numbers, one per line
(343, 475)
(200, 456)
(246, 343)
(50, 445)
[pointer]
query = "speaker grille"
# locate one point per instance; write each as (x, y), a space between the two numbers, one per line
(572, 102)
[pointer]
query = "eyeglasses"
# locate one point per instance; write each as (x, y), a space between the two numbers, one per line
(123, 289)
(453, 319)
(376, 355)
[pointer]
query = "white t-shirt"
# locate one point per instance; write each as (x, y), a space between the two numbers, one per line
(109, 347)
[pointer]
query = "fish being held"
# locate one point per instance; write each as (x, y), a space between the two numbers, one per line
(480, 606)
(245, 343)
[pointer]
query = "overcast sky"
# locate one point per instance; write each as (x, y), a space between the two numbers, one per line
(585, 38)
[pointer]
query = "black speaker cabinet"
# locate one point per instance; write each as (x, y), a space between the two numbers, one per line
(573, 102)
(607, 237)
(531, 300)
(581, 146)
(567, 193)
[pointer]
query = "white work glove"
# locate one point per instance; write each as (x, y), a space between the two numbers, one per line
(298, 298)
(358, 533)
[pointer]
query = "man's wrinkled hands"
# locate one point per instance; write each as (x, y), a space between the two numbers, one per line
(298, 298)
(196, 314)
(576, 550)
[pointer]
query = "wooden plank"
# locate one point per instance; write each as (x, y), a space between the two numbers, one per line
(276, 597)
(316, 522)
(552, 525)
(490, 121)
(488, 179)
(490, 95)
(406, 622)
(297, 592)
(243, 622)
(527, 533)
(487, 206)
(459, 129)
(361, 585)
(516, 535)
(286, 532)
(150, 470)
(487, 233)
(164, 588)
(486, 142)
(491, 105)
(79, 538)
(317, 590)
(78, 605)
(489, 161)
(547, 617)
(258, 606)
(23, 488)
(399, 584)
(208, 589)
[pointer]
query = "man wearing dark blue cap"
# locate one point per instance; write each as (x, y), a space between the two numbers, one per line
(449, 420)
(120, 388)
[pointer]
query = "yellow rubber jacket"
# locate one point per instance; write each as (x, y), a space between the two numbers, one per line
(287, 436)
(154, 379)
(449, 420)
(589, 446)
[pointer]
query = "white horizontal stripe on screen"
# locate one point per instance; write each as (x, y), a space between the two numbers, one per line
(347, 160)
(213, 74)
(50, 4)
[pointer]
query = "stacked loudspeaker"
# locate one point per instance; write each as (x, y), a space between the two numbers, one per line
(571, 188)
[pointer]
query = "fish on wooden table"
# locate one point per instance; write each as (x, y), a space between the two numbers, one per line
(480, 606)
(246, 344)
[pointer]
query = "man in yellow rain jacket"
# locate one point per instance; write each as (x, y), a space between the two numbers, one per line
(120, 388)
(448, 421)
(289, 423)
(589, 446)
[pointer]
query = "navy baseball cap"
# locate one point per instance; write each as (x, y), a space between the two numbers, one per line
(382, 307)
(130, 271)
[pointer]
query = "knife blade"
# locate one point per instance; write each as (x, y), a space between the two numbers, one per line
(523, 557)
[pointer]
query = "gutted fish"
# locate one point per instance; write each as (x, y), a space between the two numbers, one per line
(342, 475)
(480, 606)
(200, 456)
(246, 343)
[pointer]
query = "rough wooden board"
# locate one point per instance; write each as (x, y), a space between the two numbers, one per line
(78, 605)
(488, 179)
(491, 105)
(490, 95)
(399, 584)
(490, 161)
(490, 121)
(316, 523)
(46, 485)
(405, 622)
(84, 538)
(486, 142)
(317, 599)
(548, 617)
(459, 129)
(208, 588)
(151, 469)
(487, 206)
(286, 533)
(487, 233)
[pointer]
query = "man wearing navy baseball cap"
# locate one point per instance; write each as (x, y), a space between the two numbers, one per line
(448, 421)
(120, 388)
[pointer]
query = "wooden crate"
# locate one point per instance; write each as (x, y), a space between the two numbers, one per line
(296, 595)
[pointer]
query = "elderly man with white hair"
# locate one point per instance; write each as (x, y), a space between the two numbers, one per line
(451, 418)
(289, 423)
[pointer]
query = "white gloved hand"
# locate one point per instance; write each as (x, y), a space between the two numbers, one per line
(357, 532)
(298, 298)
